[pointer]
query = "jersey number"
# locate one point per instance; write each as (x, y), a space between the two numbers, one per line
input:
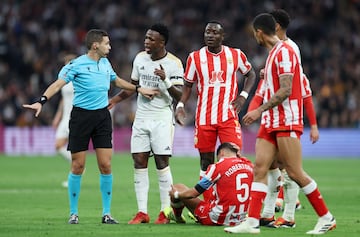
(241, 185)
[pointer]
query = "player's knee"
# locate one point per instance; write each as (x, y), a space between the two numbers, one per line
(140, 160)
(140, 164)
(294, 174)
(77, 168)
(161, 162)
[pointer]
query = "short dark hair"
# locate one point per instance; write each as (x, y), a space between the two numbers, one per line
(227, 146)
(265, 22)
(215, 22)
(162, 29)
(281, 17)
(94, 35)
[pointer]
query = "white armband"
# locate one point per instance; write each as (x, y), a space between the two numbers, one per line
(180, 105)
(244, 94)
(168, 83)
(176, 194)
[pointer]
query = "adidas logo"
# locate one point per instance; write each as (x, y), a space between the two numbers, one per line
(167, 148)
(142, 68)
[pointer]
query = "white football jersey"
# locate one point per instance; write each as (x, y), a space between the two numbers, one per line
(143, 72)
(67, 93)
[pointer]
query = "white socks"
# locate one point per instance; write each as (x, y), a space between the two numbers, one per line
(165, 182)
(274, 181)
(291, 191)
(141, 182)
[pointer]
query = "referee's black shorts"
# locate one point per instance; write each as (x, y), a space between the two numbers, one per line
(85, 124)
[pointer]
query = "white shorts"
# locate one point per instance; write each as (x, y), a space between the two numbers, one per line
(152, 135)
(62, 130)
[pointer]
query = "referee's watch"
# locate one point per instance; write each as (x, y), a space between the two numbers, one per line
(42, 100)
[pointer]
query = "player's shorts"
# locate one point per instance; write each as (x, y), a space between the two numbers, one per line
(201, 213)
(206, 135)
(62, 131)
(152, 135)
(89, 124)
(271, 136)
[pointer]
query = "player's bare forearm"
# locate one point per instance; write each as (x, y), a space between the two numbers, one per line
(122, 95)
(122, 83)
(280, 95)
(189, 193)
(186, 92)
(54, 88)
(250, 79)
(175, 92)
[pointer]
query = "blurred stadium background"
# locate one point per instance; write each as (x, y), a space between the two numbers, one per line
(35, 34)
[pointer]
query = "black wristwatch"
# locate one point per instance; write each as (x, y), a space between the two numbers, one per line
(42, 100)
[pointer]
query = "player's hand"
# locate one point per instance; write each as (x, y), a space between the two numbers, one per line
(148, 93)
(160, 72)
(111, 104)
(314, 134)
(262, 73)
(35, 106)
(180, 116)
(238, 103)
(171, 193)
(251, 116)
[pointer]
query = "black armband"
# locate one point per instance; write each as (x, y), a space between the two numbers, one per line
(42, 100)
(199, 188)
(137, 88)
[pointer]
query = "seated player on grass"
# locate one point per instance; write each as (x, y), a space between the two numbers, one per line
(230, 178)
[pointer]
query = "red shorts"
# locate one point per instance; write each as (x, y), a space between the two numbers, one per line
(201, 213)
(271, 136)
(206, 135)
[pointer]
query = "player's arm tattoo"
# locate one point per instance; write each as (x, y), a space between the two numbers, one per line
(281, 94)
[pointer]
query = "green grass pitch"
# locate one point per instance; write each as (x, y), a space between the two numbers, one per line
(33, 203)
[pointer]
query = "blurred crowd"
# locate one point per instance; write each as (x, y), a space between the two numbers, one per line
(36, 34)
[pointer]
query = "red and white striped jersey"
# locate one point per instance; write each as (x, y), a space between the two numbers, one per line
(305, 86)
(231, 180)
(217, 83)
(288, 115)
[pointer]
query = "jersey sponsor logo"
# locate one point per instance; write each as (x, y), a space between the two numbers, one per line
(151, 81)
(216, 76)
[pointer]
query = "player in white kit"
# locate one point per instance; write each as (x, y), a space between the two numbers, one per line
(62, 117)
(153, 127)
